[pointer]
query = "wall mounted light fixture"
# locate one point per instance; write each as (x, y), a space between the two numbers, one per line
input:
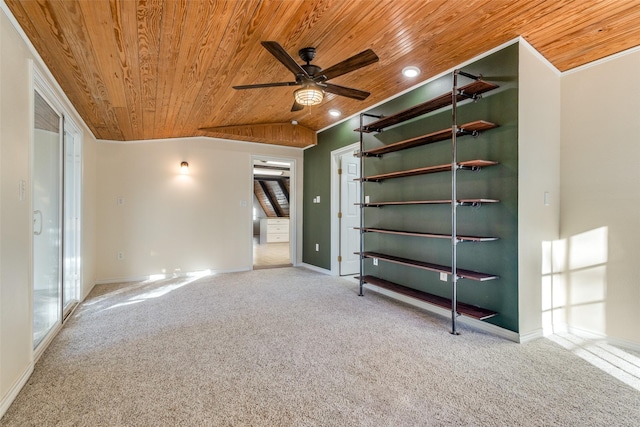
(184, 167)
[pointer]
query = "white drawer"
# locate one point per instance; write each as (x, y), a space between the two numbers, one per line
(278, 228)
(277, 237)
(278, 221)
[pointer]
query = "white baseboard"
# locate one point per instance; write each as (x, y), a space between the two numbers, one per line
(315, 268)
(476, 324)
(530, 336)
(11, 395)
(168, 276)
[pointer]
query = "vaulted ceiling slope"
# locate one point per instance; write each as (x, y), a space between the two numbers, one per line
(152, 69)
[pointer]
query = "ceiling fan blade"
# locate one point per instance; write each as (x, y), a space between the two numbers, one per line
(296, 106)
(259, 85)
(281, 55)
(360, 60)
(346, 91)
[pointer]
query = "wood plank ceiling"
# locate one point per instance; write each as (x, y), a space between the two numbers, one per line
(151, 69)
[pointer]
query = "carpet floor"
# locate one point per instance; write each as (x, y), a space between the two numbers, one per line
(292, 347)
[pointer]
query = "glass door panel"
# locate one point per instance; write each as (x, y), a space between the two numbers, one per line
(71, 245)
(46, 219)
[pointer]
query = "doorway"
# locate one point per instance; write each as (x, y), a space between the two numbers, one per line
(345, 213)
(273, 212)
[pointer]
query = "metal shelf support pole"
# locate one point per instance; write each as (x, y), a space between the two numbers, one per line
(454, 206)
(361, 183)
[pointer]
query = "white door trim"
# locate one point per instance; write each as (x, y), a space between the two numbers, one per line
(293, 213)
(335, 204)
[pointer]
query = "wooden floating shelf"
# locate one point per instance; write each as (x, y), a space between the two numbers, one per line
(461, 202)
(431, 235)
(471, 164)
(471, 90)
(465, 274)
(462, 308)
(441, 135)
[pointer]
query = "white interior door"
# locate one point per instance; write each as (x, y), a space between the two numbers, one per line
(350, 218)
(47, 234)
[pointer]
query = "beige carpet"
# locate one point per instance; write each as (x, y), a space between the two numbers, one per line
(291, 347)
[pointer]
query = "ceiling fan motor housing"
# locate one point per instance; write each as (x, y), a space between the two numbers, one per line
(307, 54)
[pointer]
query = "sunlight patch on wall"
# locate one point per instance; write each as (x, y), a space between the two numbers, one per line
(574, 282)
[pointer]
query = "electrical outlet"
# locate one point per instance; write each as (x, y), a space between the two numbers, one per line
(366, 199)
(317, 247)
(443, 277)
(120, 201)
(120, 256)
(375, 261)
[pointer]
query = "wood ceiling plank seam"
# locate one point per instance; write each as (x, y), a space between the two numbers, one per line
(271, 111)
(227, 47)
(332, 43)
(149, 23)
(169, 53)
(555, 25)
(246, 52)
(208, 40)
(307, 15)
(179, 66)
(59, 59)
(123, 36)
(72, 21)
(594, 38)
(101, 43)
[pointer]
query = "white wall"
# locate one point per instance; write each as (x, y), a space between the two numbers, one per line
(539, 173)
(600, 217)
(16, 112)
(15, 214)
(172, 223)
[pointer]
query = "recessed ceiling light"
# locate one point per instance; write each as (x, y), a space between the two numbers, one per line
(411, 71)
(335, 113)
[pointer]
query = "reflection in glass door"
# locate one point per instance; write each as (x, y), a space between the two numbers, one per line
(71, 223)
(46, 218)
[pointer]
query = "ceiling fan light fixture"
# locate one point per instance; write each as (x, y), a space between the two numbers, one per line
(308, 95)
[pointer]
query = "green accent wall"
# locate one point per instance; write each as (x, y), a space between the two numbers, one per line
(498, 182)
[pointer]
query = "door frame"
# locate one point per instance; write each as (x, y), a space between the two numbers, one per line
(293, 218)
(73, 129)
(335, 203)
(40, 86)
(41, 83)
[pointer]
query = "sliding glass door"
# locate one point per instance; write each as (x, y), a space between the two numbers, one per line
(71, 214)
(47, 208)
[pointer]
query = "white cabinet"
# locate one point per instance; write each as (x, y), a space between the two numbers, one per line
(274, 230)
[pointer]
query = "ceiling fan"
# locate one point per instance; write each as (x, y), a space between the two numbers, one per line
(312, 78)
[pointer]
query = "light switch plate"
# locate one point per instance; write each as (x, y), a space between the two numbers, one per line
(443, 277)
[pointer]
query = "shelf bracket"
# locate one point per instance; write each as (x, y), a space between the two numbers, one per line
(469, 75)
(473, 133)
(366, 128)
(372, 155)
